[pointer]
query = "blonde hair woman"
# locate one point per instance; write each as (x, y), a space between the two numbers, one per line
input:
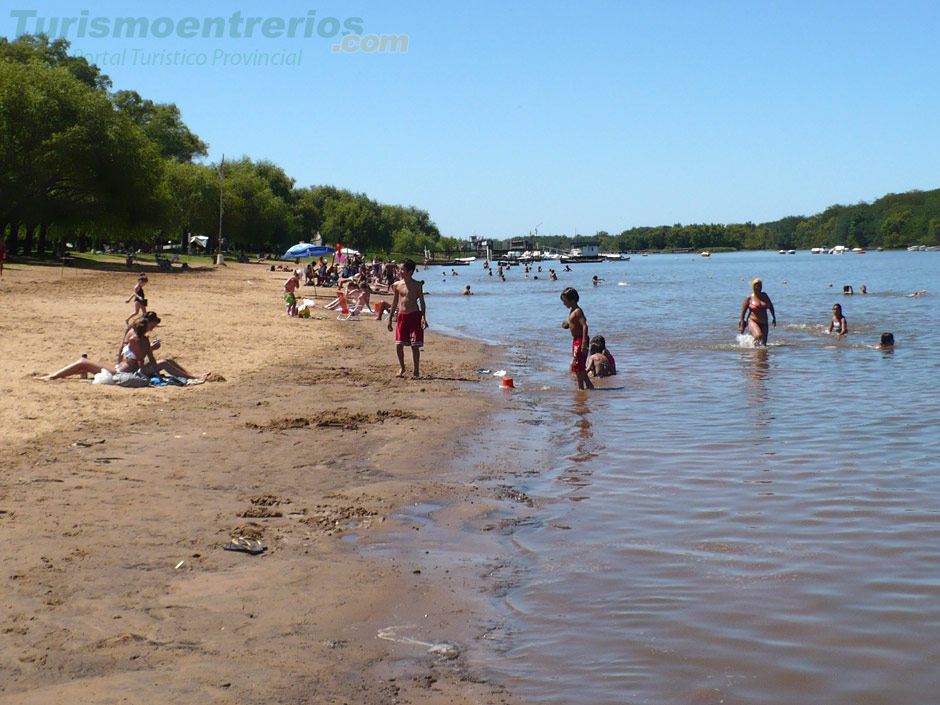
(754, 313)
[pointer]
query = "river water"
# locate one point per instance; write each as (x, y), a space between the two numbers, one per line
(721, 524)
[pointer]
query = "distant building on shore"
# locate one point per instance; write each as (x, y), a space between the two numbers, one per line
(480, 244)
(520, 244)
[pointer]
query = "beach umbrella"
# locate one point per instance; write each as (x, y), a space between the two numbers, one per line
(305, 249)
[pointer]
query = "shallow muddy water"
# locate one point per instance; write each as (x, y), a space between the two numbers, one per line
(722, 523)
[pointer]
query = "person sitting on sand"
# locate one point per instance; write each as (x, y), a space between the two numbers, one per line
(148, 364)
(887, 342)
(136, 356)
(600, 362)
(838, 323)
(365, 297)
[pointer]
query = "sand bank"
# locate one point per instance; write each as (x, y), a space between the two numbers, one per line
(115, 503)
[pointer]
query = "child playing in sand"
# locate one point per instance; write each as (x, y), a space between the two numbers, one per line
(137, 296)
(408, 300)
(577, 324)
(290, 287)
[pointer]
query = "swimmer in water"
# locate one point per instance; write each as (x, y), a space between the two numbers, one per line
(887, 342)
(838, 324)
(600, 363)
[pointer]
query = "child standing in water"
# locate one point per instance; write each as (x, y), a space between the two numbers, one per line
(408, 300)
(577, 324)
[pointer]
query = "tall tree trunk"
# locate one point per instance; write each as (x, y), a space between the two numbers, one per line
(28, 240)
(82, 243)
(41, 244)
(12, 243)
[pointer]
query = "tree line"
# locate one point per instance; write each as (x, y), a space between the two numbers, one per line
(895, 220)
(81, 163)
(84, 164)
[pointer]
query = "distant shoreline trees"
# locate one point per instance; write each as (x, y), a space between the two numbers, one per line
(895, 220)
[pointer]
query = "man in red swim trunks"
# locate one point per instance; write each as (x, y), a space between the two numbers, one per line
(577, 324)
(408, 300)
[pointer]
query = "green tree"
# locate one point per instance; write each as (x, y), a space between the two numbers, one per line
(54, 54)
(66, 156)
(162, 123)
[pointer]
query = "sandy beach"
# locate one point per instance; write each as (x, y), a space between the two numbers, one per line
(115, 504)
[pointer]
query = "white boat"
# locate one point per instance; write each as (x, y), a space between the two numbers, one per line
(791, 252)
(932, 248)
(782, 252)
(817, 250)
(706, 253)
(917, 248)
(838, 250)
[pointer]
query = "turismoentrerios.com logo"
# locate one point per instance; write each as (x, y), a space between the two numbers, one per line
(235, 26)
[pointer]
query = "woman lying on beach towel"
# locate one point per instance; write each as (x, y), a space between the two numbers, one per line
(136, 356)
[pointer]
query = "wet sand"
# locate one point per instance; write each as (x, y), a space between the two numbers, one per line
(115, 504)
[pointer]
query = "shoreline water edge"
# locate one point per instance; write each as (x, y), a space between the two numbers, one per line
(383, 505)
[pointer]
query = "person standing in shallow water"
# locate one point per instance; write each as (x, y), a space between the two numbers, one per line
(577, 324)
(754, 313)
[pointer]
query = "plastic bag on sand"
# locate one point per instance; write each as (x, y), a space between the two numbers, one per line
(103, 377)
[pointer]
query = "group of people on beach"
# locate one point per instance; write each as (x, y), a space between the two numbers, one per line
(136, 364)
(408, 310)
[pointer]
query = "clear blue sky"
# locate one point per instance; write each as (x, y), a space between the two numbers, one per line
(581, 117)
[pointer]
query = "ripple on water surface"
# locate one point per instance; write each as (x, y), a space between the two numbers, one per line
(731, 524)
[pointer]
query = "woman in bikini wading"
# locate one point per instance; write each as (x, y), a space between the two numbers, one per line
(754, 313)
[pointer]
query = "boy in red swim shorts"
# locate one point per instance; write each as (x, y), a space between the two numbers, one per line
(408, 300)
(578, 326)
